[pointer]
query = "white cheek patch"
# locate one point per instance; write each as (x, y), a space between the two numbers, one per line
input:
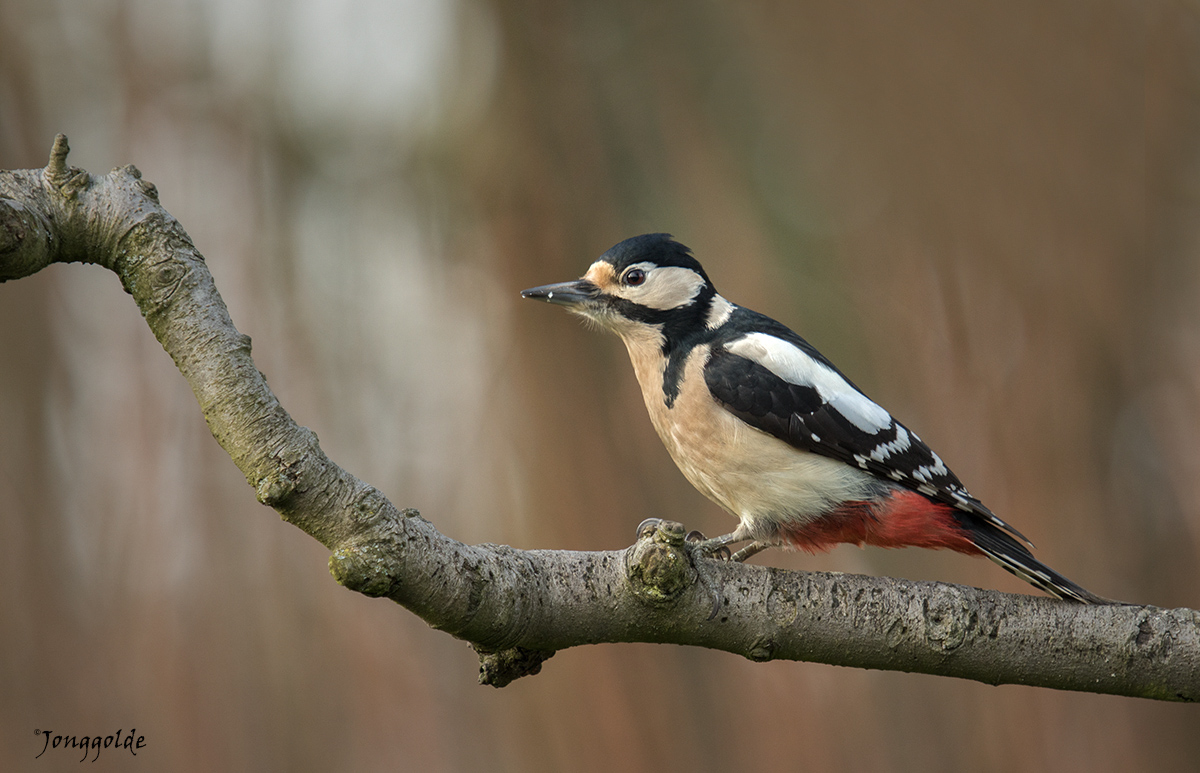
(794, 366)
(666, 287)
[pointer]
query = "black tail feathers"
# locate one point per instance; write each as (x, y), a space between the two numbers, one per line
(1016, 558)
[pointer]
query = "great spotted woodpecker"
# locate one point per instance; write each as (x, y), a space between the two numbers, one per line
(765, 426)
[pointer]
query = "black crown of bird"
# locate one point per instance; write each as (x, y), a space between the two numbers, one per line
(767, 427)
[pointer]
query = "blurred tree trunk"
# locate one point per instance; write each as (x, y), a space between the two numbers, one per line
(985, 212)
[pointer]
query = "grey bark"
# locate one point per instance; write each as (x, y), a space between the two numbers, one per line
(519, 607)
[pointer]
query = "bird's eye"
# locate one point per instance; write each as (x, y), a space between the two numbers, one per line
(634, 277)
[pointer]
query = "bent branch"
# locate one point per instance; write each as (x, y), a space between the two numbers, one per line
(518, 607)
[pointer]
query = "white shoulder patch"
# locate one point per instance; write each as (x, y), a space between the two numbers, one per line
(719, 310)
(794, 366)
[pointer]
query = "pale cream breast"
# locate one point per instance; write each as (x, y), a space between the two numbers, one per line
(755, 476)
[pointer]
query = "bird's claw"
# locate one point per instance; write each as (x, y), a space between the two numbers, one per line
(647, 527)
(699, 547)
(718, 552)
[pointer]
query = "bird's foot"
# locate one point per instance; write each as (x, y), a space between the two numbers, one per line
(699, 546)
(717, 548)
(709, 548)
(696, 547)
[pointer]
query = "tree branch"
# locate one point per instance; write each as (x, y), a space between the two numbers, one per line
(518, 607)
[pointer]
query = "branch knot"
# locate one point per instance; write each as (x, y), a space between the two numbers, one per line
(657, 566)
(499, 669)
(363, 567)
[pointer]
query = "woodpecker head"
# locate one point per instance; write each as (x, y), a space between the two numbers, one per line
(649, 281)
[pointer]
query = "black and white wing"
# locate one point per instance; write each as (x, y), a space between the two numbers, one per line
(775, 381)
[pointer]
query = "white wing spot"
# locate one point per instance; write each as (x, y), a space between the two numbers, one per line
(929, 471)
(884, 450)
(926, 489)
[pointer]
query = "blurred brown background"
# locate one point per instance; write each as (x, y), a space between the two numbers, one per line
(985, 213)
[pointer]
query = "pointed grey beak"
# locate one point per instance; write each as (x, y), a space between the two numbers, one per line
(573, 293)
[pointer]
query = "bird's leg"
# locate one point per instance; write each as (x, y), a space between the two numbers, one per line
(718, 547)
(749, 550)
